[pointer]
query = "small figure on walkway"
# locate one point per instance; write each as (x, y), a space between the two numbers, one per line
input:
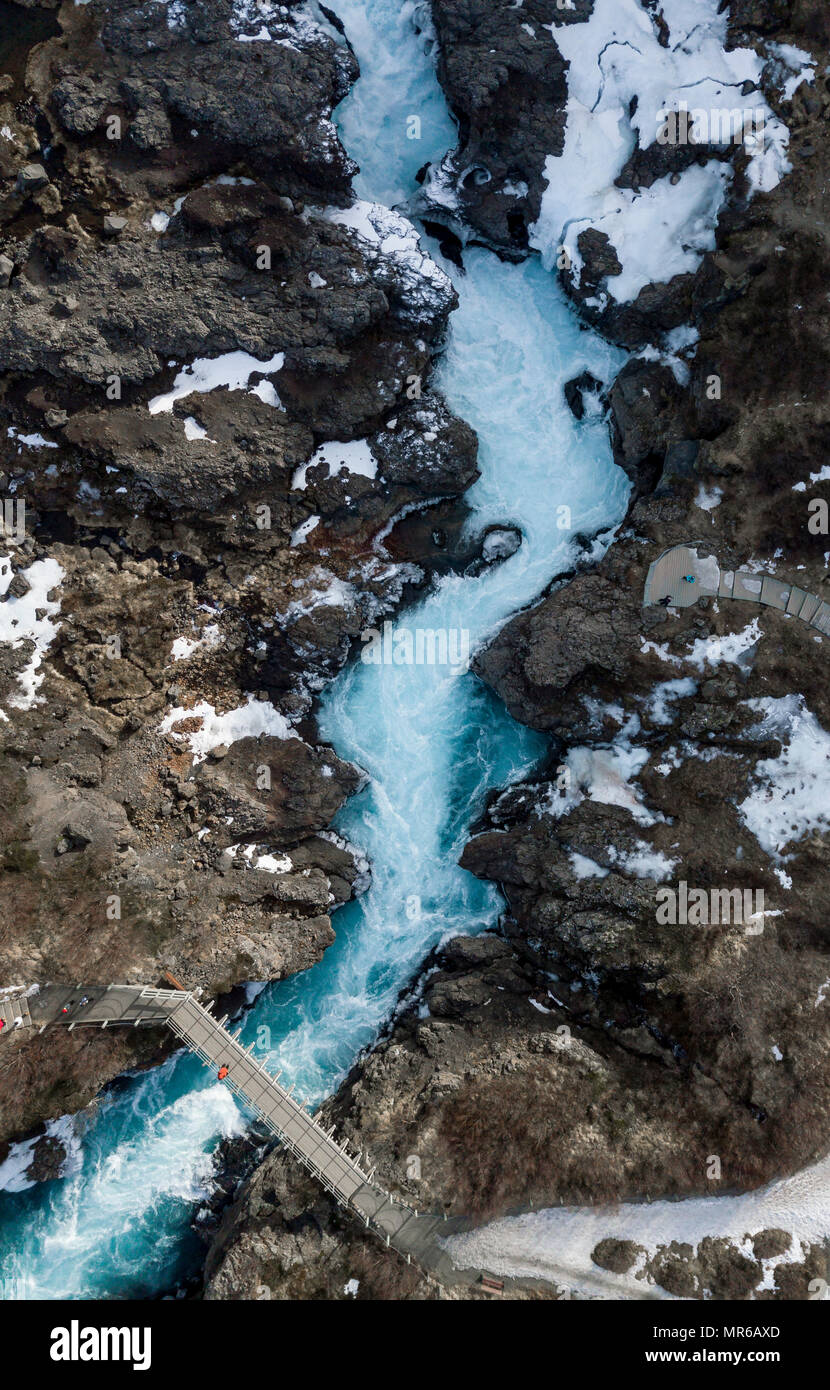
(223, 1071)
(689, 578)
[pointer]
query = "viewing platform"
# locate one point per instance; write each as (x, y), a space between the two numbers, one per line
(684, 574)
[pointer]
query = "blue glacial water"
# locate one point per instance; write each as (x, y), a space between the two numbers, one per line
(433, 743)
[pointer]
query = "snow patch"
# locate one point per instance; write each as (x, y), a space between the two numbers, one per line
(708, 499)
(30, 441)
(193, 430)
(599, 774)
(302, 532)
(272, 864)
(615, 58)
(821, 476)
(19, 621)
(584, 867)
(800, 65)
(354, 456)
(712, 650)
(658, 700)
(643, 862)
(184, 647)
(232, 369)
(792, 795)
(250, 720)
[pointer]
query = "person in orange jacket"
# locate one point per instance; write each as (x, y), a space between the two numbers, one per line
(223, 1071)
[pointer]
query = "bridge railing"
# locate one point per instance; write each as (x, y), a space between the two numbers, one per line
(366, 1192)
(178, 999)
(234, 1049)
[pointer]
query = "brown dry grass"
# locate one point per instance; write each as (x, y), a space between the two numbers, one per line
(531, 1138)
(384, 1275)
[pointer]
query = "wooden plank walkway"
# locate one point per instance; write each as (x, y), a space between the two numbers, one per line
(297, 1129)
(681, 575)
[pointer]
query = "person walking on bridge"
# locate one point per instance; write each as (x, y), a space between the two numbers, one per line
(223, 1071)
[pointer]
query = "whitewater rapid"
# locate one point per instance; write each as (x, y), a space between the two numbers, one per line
(432, 741)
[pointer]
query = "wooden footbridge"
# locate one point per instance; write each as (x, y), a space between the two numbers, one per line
(682, 575)
(414, 1234)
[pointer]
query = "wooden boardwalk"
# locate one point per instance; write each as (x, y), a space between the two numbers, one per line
(684, 574)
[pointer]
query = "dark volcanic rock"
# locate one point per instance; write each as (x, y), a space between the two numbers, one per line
(576, 390)
(48, 1158)
(195, 71)
(618, 1256)
(505, 81)
(586, 627)
(277, 789)
(769, 1244)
